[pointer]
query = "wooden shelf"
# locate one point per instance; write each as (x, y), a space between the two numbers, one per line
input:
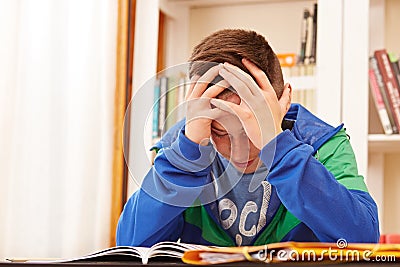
(384, 143)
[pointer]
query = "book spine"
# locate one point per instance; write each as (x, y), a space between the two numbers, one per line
(181, 99)
(172, 102)
(390, 83)
(303, 37)
(379, 104)
(163, 105)
(156, 110)
(309, 39)
(396, 71)
(313, 57)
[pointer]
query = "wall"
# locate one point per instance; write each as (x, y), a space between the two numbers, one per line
(266, 18)
(392, 21)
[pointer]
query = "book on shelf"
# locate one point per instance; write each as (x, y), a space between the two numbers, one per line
(183, 86)
(308, 36)
(302, 79)
(169, 95)
(303, 35)
(378, 101)
(156, 109)
(373, 65)
(394, 61)
(296, 252)
(389, 239)
(162, 251)
(390, 84)
(162, 116)
(172, 101)
(313, 57)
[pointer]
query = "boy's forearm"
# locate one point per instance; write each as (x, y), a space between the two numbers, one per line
(154, 213)
(145, 221)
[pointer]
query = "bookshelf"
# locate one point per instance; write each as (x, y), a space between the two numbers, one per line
(340, 81)
(381, 143)
(384, 150)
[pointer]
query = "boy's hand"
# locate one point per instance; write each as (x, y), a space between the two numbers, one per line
(199, 113)
(260, 111)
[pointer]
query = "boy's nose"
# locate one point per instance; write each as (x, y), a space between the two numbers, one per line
(240, 146)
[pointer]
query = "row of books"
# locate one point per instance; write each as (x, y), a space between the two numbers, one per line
(303, 81)
(308, 40)
(169, 95)
(384, 84)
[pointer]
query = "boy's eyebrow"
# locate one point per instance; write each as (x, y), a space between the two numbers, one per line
(217, 129)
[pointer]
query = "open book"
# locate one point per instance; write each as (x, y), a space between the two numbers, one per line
(295, 251)
(126, 253)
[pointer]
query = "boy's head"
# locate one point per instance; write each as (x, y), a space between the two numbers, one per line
(231, 45)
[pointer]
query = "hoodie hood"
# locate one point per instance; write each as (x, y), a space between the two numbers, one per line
(308, 128)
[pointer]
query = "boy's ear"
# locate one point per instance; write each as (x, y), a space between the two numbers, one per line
(286, 98)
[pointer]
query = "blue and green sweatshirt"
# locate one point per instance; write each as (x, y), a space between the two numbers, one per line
(317, 193)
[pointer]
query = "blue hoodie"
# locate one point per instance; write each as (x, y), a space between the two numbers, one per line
(317, 193)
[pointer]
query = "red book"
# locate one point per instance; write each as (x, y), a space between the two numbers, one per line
(379, 104)
(390, 83)
(392, 239)
(377, 80)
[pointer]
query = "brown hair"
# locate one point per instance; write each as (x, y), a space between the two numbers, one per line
(231, 45)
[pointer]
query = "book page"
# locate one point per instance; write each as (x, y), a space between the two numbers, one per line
(169, 249)
(121, 252)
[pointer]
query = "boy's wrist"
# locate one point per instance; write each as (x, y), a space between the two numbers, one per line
(197, 134)
(191, 150)
(197, 139)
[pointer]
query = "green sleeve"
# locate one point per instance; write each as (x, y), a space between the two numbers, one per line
(338, 157)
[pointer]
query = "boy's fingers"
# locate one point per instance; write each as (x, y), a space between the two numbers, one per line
(217, 113)
(227, 106)
(243, 76)
(237, 84)
(203, 81)
(192, 83)
(216, 89)
(260, 76)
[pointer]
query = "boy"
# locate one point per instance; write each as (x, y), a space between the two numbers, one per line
(246, 167)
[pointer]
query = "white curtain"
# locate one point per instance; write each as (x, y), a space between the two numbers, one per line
(57, 79)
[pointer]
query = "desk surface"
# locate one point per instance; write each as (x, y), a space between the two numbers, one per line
(178, 264)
